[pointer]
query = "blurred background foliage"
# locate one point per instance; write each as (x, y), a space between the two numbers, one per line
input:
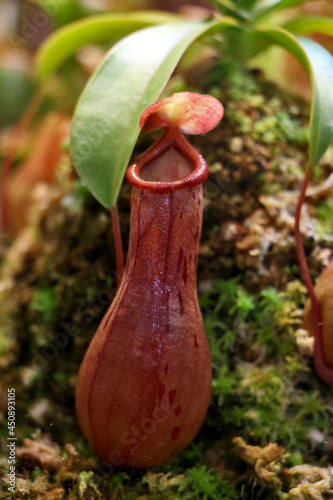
(25, 24)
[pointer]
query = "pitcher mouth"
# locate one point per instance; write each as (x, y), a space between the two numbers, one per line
(172, 138)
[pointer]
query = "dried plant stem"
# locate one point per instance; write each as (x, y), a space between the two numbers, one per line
(9, 156)
(324, 371)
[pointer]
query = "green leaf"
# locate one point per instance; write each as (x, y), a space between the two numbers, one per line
(320, 71)
(268, 6)
(105, 27)
(230, 8)
(318, 63)
(249, 4)
(304, 25)
(105, 126)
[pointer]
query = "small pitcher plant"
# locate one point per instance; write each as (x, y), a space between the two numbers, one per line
(144, 385)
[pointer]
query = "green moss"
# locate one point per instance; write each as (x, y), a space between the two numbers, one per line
(268, 187)
(87, 483)
(60, 377)
(244, 304)
(243, 121)
(36, 472)
(44, 301)
(242, 85)
(324, 225)
(293, 459)
(266, 119)
(200, 482)
(270, 126)
(255, 394)
(280, 126)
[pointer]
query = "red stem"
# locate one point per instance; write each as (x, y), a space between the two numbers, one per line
(118, 245)
(325, 372)
(9, 157)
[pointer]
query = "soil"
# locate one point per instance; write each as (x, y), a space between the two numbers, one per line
(268, 433)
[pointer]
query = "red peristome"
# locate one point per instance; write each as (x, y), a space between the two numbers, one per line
(188, 177)
(191, 112)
